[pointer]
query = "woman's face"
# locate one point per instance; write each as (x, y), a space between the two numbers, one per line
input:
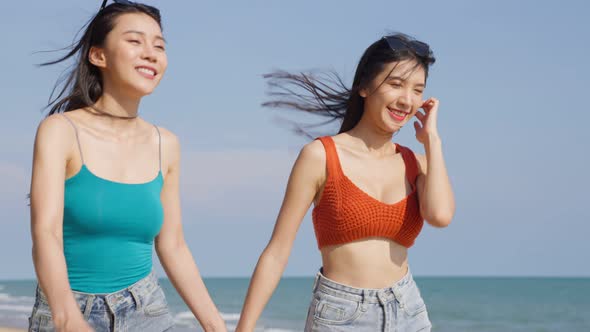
(395, 95)
(133, 59)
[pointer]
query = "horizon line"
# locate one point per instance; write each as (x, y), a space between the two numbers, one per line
(416, 276)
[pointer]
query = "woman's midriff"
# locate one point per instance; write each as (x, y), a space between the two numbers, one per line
(367, 263)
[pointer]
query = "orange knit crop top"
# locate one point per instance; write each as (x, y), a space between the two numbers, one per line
(345, 213)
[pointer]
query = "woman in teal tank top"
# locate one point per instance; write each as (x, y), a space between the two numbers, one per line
(105, 190)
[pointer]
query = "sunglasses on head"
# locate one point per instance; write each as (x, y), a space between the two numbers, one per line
(128, 3)
(418, 47)
(121, 2)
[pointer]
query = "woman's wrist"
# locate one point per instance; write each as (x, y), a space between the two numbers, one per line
(215, 326)
(432, 140)
(242, 327)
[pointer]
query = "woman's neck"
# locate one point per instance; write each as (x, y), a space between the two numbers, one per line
(371, 140)
(116, 113)
(117, 105)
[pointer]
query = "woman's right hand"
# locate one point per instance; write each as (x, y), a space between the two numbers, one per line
(74, 323)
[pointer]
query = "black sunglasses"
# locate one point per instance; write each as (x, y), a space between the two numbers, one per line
(418, 47)
(153, 10)
(121, 2)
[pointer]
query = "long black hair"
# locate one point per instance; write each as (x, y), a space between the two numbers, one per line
(81, 86)
(326, 95)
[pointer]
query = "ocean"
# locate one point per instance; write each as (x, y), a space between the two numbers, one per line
(454, 303)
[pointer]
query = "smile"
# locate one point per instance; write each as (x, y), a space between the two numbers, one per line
(146, 72)
(397, 115)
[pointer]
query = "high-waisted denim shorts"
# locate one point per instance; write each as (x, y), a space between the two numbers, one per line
(337, 307)
(139, 307)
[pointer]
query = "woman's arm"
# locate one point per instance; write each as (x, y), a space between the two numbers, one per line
(437, 202)
(304, 183)
(53, 144)
(172, 249)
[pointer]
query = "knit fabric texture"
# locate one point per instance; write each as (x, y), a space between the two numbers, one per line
(345, 213)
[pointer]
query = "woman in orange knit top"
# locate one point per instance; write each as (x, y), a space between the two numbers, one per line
(370, 195)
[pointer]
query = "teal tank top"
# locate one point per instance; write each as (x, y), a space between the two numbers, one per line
(109, 229)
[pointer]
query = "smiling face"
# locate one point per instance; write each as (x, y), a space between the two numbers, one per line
(133, 57)
(394, 95)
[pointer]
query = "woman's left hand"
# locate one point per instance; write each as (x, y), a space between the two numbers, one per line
(426, 126)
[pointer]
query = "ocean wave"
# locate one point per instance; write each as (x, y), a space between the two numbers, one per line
(15, 307)
(16, 304)
(232, 327)
(185, 318)
(9, 298)
(187, 315)
(184, 315)
(264, 329)
(230, 317)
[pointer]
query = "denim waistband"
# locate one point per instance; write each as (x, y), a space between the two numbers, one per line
(366, 295)
(132, 295)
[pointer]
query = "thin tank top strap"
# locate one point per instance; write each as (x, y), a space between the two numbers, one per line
(411, 163)
(77, 137)
(332, 160)
(159, 148)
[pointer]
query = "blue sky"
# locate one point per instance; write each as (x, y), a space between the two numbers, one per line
(512, 78)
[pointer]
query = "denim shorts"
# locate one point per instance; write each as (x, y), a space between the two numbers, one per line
(139, 307)
(337, 307)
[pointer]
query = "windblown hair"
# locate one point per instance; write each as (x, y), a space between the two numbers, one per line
(326, 95)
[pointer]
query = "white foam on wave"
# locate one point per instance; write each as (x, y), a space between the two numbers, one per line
(230, 317)
(9, 298)
(187, 315)
(272, 329)
(185, 318)
(12, 305)
(17, 308)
